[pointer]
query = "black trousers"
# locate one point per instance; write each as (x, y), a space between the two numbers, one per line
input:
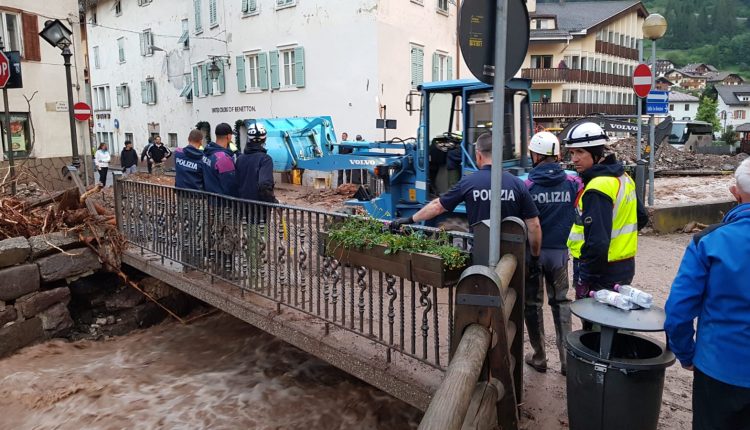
(719, 406)
(103, 175)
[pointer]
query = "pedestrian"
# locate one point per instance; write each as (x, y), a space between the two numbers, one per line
(343, 150)
(188, 180)
(474, 191)
(144, 154)
(129, 159)
(158, 154)
(554, 193)
(604, 238)
(101, 159)
(712, 286)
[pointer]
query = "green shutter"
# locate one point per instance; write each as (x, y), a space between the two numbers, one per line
(196, 82)
(144, 92)
(245, 6)
(420, 65)
(299, 67)
(153, 92)
(198, 25)
(206, 79)
(222, 81)
(240, 61)
(119, 95)
(435, 66)
(253, 6)
(263, 70)
(212, 19)
(126, 95)
(449, 73)
(274, 60)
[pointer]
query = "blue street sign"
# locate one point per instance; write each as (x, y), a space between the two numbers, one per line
(657, 102)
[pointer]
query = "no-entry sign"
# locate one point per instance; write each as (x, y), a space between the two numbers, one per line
(642, 80)
(81, 111)
(4, 70)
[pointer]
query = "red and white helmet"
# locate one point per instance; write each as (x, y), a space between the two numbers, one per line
(545, 143)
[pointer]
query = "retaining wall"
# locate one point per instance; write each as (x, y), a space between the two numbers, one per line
(670, 218)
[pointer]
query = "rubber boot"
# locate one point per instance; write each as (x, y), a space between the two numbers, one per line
(563, 326)
(535, 324)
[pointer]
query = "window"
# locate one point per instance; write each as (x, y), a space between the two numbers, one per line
(213, 18)
(105, 137)
(121, 49)
(93, 18)
(97, 63)
(739, 114)
(671, 107)
(129, 137)
(118, 8)
(280, 4)
(187, 88)
(148, 91)
(254, 76)
(442, 67)
(101, 98)
(249, 7)
(197, 11)
(20, 134)
(687, 108)
(10, 31)
(184, 39)
(442, 5)
(123, 95)
(172, 139)
(143, 2)
(287, 68)
(417, 66)
(541, 61)
(147, 42)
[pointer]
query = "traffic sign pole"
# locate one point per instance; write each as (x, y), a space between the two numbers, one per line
(4, 77)
(639, 153)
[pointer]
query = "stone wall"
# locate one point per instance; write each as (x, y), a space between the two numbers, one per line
(46, 172)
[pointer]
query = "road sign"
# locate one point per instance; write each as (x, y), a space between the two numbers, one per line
(657, 102)
(476, 35)
(14, 63)
(4, 70)
(81, 111)
(642, 80)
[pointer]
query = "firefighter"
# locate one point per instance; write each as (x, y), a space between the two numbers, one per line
(554, 193)
(604, 238)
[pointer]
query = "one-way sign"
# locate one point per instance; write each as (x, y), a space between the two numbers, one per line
(657, 102)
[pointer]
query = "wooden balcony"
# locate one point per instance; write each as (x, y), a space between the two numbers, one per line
(563, 110)
(603, 47)
(575, 75)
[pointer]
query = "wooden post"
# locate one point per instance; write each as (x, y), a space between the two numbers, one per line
(513, 242)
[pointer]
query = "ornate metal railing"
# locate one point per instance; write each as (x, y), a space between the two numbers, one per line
(276, 252)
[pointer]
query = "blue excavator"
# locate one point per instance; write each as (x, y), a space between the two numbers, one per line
(410, 172)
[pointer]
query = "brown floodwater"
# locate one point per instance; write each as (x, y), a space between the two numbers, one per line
(216, 373)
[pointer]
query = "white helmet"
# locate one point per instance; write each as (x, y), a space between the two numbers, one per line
(545, 143)
(256, 133)
(586, 135)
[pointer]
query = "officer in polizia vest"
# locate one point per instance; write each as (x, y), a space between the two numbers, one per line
(554, 193)
(604, 238)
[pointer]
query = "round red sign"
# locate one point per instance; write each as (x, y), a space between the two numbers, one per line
(642, 80)
(81, 111)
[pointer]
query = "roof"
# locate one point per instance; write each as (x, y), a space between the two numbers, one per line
(663, 79)
(675, 96)
(688, 74)
(720, 76)
(728, 94)
(579, 17)
(693, 66)
(744, 128)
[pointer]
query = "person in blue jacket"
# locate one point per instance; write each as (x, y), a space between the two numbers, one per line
(554, 193)
(219, 175)
(189, 178)
(255, 167)
(713, 285)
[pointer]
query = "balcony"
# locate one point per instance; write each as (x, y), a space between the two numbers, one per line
(562, 110)
(575, 75)
(603, 47)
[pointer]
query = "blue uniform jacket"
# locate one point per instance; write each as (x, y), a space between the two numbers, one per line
(189, 168)
(219, 175)
(255, 175)
(713, 285)
(554, 193)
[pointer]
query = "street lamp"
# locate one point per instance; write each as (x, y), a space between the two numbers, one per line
(654, 28)
(214, 71)
(58, 35)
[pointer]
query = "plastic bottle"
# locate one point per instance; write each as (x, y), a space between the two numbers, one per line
(639, 297)
(612, 298)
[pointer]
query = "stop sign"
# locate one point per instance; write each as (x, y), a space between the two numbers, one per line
(642, 80)
(81, 111)
(4, 70)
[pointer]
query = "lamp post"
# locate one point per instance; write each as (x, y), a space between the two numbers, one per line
(58, 35)
(654, 28)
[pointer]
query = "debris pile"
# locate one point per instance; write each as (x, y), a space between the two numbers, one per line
(670, 158)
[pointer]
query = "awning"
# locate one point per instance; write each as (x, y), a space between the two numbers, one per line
(744, 128)
(187, 90)
(184, 37)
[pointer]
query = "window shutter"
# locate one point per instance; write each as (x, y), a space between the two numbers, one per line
(143, 43)
(197, 7)
(263, 70)
(119, 96)
(144, 92)
(420, 65)
(126, 95)
(206, 80)
(245, 6)
(240, 62)
(253, 6)
(274, 60)
(150, 42)
(153, 92)
(435, 66)
(222, 81)
(212, 12)
(449, 73)
(299, 67)
(31, 50)
(196, 82)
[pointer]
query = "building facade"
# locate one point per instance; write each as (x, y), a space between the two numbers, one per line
(39, 121)
(186, 62)
(581, 58)
(683, 106)
(734, 105)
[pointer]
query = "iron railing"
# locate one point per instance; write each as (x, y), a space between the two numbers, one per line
(276, 252)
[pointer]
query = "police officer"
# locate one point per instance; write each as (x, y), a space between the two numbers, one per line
(474, 190)
(255, 167)
(553, 192)
(604, 237)
(189, 176)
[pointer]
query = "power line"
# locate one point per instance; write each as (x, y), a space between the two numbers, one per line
(160, 35)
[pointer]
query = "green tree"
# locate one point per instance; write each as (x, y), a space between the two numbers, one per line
(708, 112)
(729, 136)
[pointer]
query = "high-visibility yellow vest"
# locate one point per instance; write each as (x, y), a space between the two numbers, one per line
(624, 239)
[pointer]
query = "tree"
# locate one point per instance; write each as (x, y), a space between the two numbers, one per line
(707, 111)
(729, 137)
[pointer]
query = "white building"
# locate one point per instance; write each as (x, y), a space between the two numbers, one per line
(39, 111)
(683, 106)
(278, 58)
(734, 105)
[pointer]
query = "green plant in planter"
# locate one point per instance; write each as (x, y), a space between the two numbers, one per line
(364, 233)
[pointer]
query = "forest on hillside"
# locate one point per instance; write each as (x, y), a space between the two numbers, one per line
(703, 31)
